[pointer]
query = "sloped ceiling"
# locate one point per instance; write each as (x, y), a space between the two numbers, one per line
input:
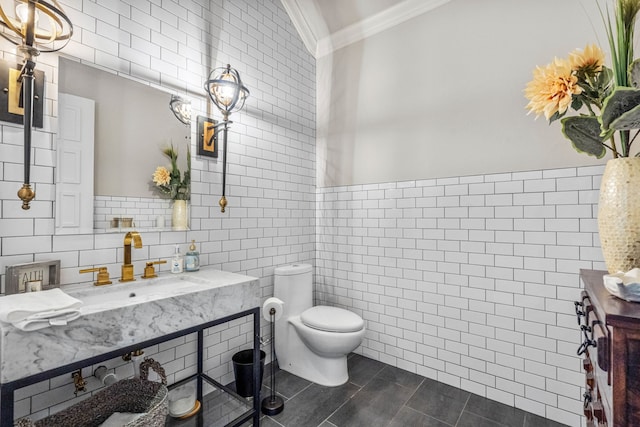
(327, 25)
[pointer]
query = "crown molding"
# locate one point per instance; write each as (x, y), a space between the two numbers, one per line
(297, 16)
(373, 25)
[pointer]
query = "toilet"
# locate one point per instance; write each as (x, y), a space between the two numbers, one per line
(312, 342)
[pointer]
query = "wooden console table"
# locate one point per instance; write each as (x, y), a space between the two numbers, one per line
(611, 348)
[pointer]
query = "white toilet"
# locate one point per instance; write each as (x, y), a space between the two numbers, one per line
(312, 342)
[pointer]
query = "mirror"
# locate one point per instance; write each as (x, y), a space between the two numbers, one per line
(112, 131)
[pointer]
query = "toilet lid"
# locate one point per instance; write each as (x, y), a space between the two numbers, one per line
(331, 319)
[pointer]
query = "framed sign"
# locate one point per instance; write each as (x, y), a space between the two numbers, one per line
(33, 276)
(207, 137)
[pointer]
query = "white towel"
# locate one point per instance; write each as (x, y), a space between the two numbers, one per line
(52, 303)
(49, 318)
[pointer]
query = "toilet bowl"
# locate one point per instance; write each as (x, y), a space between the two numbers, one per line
(312, 342)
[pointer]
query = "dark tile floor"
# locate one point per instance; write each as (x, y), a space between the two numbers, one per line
(379, 395)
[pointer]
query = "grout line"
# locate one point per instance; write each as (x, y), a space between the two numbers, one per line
(463, 408)
(427, 415)
(343, 403)
(420, 412)
(272, 420)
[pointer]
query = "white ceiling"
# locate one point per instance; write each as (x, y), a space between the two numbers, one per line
(327, 25)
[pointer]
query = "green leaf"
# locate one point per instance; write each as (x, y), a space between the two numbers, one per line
(584, 134)
(604, 83)
(604, 77)
(576, 103)
(627, 121)
(622, 100)
(555, 117)
(634, 73)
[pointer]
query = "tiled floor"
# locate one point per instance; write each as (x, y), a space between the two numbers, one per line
(379, 395)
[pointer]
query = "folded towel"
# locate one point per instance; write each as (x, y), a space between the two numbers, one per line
(18, 307)
(45, 319)
(119, 419)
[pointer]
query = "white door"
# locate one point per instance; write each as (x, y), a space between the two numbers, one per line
(74, 172)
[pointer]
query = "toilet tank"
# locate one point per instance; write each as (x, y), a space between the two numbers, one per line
(293, 284)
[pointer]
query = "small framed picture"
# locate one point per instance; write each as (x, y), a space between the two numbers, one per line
(207, 137)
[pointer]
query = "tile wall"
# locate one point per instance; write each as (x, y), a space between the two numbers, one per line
(146, 213)
(270, 218)
(468, 280)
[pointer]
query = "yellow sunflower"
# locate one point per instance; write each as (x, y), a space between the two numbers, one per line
(161, 176)
(590, 60)
(551, 89)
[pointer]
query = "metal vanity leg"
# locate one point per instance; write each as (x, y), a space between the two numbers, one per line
(256, 367)
(6, 407)
(200, 365)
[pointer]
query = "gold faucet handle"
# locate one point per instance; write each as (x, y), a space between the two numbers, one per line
(149, 270)
(103, 275)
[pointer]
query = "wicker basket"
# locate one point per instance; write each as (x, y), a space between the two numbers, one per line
(135, 395)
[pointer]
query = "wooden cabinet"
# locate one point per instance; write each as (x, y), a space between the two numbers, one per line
(610, 329)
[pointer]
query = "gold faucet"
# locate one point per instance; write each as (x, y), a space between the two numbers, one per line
(103, 275)
(127, 267)
(150, 271)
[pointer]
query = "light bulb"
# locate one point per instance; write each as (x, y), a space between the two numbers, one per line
(185, 110)
(22, 13)
(226, 92)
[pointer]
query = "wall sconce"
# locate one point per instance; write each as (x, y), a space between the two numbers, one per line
(33, 35)
(227, 92)
(181, 109)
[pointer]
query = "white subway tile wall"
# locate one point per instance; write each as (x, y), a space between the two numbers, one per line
(146, 213)
(468, 280)
(271, 176)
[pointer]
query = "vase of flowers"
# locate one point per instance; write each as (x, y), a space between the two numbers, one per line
(176, 185)
(606, 103)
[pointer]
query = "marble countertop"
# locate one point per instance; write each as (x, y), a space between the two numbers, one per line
(113, 318)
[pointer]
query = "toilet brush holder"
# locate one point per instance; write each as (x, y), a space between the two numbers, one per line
(273, 404)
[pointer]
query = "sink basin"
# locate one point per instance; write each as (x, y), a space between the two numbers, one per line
(99, 298)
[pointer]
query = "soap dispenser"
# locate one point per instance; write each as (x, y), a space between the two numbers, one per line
(177, 263)
(192, 259)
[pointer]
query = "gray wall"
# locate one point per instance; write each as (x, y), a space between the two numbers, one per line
(442, 94)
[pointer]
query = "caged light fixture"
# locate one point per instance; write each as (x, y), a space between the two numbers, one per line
(34, 26)
(181, 109)
(227, 92)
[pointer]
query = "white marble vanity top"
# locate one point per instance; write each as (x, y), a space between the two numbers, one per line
(123, 314)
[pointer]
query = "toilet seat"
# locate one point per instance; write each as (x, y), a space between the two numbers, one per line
(331, 319)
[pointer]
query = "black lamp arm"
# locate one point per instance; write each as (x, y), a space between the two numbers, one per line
(26, 194)
(223, 199)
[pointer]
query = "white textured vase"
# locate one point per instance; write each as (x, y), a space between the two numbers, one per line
(619, 214)
(179, 216)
